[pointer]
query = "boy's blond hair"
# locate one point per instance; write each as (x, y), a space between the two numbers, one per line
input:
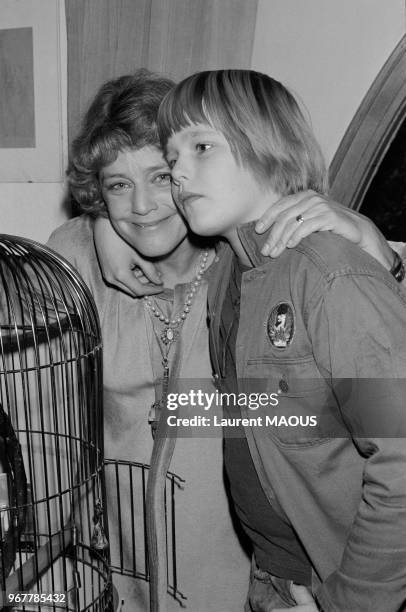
(261, 121)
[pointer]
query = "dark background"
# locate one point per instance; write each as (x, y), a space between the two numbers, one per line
(385, 201)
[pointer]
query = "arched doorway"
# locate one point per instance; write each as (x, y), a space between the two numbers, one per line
(385, 200)
(374, 128)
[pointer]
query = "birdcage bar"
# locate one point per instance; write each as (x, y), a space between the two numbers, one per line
(51, 389)
(130, 557)
(173, 534)
(144, 514)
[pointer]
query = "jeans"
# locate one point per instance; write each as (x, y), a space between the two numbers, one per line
(267, 592)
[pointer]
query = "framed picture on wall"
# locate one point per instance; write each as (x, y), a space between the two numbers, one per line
(31, 91)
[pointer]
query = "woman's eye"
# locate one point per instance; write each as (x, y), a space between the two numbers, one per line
(163, 179)
(202, 147)
(118, 187)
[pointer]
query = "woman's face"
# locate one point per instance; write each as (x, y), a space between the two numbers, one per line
(136, 188)
(213, 191)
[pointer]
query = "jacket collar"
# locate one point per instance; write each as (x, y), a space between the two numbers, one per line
(253, 243)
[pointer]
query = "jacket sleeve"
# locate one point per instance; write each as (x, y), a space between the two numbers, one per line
(399, 247)
(358, 328)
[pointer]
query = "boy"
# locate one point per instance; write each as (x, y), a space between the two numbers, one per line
(236, 140)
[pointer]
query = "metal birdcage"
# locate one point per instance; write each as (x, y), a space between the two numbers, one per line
(52, 525)
(127, 489)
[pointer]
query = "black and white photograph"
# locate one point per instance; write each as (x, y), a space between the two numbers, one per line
(203, 305)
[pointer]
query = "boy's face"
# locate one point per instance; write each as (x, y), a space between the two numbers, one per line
(136, 188)
(212, 190)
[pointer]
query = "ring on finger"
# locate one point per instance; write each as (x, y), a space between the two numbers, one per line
(299, 219)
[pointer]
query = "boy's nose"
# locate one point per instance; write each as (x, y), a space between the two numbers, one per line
(180, 171)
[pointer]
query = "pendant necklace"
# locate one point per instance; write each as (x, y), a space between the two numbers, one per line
(169, 335)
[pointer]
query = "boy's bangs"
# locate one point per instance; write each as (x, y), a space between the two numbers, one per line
(181, 107)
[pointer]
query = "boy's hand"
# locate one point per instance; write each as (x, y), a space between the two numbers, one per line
(304, 600)
(121, 265)
(294, 217)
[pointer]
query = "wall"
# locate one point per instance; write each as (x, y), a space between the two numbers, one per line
(32, 210)
(175, 37)
(328, 52)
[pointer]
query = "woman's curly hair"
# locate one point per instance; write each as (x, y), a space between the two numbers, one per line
(121, 116)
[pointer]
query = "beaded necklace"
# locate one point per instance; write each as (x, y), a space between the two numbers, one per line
(169, 335)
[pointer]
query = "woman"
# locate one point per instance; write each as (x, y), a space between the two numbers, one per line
(117, 166)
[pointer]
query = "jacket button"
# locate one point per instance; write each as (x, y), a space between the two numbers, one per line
(283, 386)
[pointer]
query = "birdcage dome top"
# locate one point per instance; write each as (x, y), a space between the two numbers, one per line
(41, 296)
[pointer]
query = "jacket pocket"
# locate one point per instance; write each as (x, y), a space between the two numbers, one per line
(306, 413)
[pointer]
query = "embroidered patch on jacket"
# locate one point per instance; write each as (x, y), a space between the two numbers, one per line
(281, 325)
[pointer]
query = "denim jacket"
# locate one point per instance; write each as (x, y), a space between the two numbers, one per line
(337, 354)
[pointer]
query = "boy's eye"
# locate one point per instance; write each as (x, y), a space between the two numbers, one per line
(163, 179)
(201, 147)
(171, 162)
